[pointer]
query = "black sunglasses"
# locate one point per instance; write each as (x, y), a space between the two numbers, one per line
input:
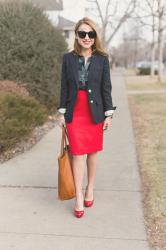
(82, 34)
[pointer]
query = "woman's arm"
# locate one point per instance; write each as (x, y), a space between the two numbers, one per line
(107, 89)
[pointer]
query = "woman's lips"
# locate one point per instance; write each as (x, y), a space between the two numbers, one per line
(86, 42)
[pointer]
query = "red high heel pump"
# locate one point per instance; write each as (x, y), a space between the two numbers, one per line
(88, 203)
(78, 214)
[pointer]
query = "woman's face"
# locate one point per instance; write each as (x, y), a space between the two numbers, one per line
(85, 42)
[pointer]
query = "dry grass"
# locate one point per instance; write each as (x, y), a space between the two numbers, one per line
(144, 83)
(148, 115)
(13, 87)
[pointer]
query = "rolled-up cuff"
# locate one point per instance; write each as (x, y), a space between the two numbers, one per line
(109, 112)
(62, 110)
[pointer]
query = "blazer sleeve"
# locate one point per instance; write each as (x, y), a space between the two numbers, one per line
(64, 87)
(107, 88)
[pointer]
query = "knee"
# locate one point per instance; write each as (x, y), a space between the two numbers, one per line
(77, 157)
(92, 155)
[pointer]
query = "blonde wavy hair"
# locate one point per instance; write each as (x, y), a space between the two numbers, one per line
(97, 46)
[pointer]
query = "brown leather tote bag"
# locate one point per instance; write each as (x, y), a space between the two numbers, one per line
(66, 185)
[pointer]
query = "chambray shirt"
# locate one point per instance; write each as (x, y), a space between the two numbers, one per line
(83, 70)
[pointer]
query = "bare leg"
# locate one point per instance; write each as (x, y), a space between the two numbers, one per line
(78, 172)
(91, 172)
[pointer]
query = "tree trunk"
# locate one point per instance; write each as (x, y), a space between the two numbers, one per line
(153, 48)
(160, 41)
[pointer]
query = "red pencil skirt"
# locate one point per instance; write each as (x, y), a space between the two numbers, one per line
(84, 135)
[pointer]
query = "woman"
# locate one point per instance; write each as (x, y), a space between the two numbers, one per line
(85, 105)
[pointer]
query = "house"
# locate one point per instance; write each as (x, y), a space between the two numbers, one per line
(52, 8)
(68, 30)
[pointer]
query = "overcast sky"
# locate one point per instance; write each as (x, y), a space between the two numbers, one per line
(74, 9)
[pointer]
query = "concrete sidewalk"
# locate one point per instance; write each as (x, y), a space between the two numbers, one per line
(32, 217)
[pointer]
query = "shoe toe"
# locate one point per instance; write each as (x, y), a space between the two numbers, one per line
(88, 203)
(79, 214)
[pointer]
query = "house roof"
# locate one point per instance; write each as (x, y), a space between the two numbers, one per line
(45, 4)
(65, 23)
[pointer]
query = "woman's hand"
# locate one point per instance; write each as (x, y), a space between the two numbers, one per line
(107, 123)
(61, 120)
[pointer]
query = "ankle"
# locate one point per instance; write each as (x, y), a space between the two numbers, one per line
(79, 195)
(89, 187)
(79, 202)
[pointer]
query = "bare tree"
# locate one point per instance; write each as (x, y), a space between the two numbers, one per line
(148, 19)
(111, 22)
(152, 15)
(161, 11)
(133, 47)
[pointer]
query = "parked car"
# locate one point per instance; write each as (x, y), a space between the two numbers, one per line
(143, 67)
(142, 64)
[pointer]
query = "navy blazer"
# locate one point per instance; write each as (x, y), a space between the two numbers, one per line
(99, 86)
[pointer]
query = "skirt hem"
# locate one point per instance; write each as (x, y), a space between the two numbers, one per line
(89, 152)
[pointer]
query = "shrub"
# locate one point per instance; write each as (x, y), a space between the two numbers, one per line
(31, 50)
(18, 116)
(145, 71)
